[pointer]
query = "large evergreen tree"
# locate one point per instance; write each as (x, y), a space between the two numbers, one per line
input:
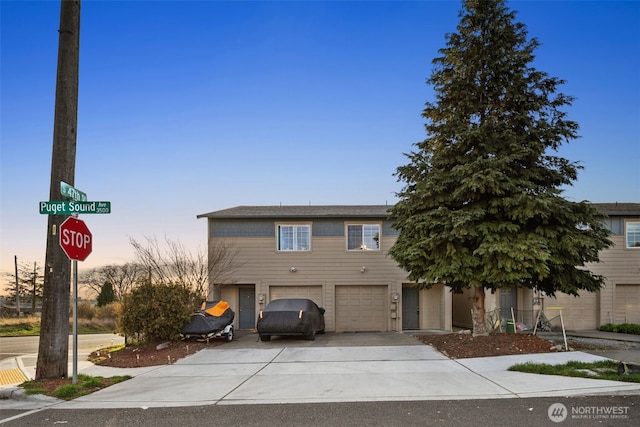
(481, 207)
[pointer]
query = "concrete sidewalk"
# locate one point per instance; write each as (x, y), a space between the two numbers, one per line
(334, 368)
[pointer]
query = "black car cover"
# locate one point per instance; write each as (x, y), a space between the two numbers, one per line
(213, 316)
(290, 316)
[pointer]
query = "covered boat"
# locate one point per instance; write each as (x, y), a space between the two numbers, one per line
(213, 320)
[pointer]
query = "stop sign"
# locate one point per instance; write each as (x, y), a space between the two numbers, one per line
(75, 239)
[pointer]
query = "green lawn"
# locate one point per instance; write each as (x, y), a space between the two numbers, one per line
(603, 370)
(30, 326)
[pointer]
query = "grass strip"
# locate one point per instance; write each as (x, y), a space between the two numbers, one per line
(68, 391)
(602, 370)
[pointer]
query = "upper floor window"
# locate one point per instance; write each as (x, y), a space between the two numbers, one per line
(633, 234)
(294, 237)
(365, 237)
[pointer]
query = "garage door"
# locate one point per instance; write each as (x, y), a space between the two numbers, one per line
(361, 308)
(314, 293)
(627, 304)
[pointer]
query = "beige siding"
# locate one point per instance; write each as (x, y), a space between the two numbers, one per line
(578, 313)
(313, 293)
(627, 304)
(621, 268)
(327, 262)
(461, 311)
(433, 304)
(327, 266)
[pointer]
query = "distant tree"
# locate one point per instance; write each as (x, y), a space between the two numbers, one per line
(121, 277)
(481, 207)
(174, 263)
(106, 295)
(30, 285)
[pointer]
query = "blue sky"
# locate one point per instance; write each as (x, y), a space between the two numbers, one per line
(191, 107)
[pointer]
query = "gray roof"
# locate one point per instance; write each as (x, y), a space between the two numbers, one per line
(362, 211)
(619, 209)
(365, 211)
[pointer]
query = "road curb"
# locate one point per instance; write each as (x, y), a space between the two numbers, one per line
(17, 393)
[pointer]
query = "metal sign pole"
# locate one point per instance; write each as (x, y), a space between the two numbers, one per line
(75, 322)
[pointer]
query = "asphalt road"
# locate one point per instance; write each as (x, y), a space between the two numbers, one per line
(579, 411)
(19, 346)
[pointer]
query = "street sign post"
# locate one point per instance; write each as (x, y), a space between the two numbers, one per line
(65, 207)
(67, 190)
(75, 239)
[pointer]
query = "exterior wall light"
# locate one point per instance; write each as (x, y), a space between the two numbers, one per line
(363, 269)
(293, 269)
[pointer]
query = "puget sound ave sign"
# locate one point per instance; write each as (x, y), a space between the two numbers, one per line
(74, 207)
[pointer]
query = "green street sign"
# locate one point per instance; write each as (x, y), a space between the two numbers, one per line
(73, 208)
(71, 192)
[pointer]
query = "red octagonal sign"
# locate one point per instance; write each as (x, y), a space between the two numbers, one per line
(75, 239)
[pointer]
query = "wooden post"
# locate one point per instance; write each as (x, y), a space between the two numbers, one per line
(18, 313)
(53, 350)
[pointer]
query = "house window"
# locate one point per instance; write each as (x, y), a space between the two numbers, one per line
(363, 237)
(633, 234)
(294, 237)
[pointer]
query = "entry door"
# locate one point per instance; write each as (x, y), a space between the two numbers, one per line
(410, 308)
(247, 315)
(508, 301)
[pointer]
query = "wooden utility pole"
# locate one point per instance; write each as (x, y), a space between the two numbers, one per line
(18, 312)
(53, 351)
(34, 280)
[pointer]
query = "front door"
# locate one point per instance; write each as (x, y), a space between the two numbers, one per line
(508, 301)
(247, 315)
(410, 308)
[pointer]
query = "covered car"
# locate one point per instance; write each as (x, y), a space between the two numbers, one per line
(213, 320)
(290, 316)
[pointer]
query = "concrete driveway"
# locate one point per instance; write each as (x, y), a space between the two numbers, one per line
(335, 368)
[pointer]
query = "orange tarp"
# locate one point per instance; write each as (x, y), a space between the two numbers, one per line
(218, 309)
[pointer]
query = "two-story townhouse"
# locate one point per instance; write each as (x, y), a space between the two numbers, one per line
(337, 256)
(334, 255)
(617, 302)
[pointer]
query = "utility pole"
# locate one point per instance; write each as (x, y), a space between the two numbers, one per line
(18, 313)
(53, 350)
(34, 280)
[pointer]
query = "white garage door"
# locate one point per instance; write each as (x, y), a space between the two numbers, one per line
(361, 308)
(627, 304)
(314, 293)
